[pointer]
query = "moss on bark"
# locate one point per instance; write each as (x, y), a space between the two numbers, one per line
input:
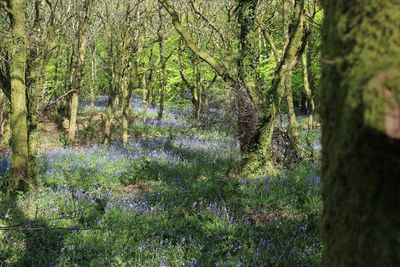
(19, 128)
(360, 111)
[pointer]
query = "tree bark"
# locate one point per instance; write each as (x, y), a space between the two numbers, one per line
(163, 62)
(360, 112)
(77, 73)
(19, 128)
(308, 90)
(93, 76)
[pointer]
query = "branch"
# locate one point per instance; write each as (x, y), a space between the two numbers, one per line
(4, 5)
(270, 40)
(218, 31)
(218, 67)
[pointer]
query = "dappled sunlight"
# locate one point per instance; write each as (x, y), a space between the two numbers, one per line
(162, 199)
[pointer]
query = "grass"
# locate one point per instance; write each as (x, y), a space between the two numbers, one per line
(163, 200)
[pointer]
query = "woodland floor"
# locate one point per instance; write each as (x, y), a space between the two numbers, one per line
(162, 200)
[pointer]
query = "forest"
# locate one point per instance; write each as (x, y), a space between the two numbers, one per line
(200, 133)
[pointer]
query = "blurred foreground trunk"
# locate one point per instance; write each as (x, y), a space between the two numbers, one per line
(360, 113)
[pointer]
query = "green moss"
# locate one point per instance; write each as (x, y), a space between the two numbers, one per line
(360, 87)
(19, 130)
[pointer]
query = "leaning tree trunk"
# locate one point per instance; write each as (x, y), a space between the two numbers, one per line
(19, 112)
(360, 112)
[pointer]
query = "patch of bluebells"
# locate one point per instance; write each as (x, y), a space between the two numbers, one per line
(4, 164)
(316, 180)
(132, 205)
(317, 146)
(100, 104)
(81, 181)
(137, 106)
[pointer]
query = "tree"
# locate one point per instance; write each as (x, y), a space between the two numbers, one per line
(77, 68)
(19, 112)
(257, 114)
(360, 110)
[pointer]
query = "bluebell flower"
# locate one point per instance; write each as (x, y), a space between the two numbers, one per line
(192, 262)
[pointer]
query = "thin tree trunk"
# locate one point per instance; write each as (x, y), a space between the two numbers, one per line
(126, 96)
(293, 124)
(162, 91)
(163, 74)
(3, 109)
(145, 91)
(197, 98)
(7, 125)
(308, 91)
(93, 76)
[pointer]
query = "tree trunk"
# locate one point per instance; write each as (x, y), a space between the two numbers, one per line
(308, 91)
(7, 125)
(3, 110)
(126, 97)
(93, 76)
(162, 91)
(360, 112)
(163, 78)
(288, 77)
(293, 124)
(73, 113)
(109, 117)
(145, 90)
(197, 94)
(260, 156)
(19, 128)
(76, 83)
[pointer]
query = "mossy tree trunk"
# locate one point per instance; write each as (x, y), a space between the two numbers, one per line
(246, 88)
(288, 79)
(112, 95)
(93, 75)
(147, 84)
(126, 98)
(197, 93)
(195, 86)
(163, 66)
(19, 128)
(163, 82)
(308, 89)
(256, 119)
(360, 110)
(78, 66)
(261, 155)
(3, 111)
